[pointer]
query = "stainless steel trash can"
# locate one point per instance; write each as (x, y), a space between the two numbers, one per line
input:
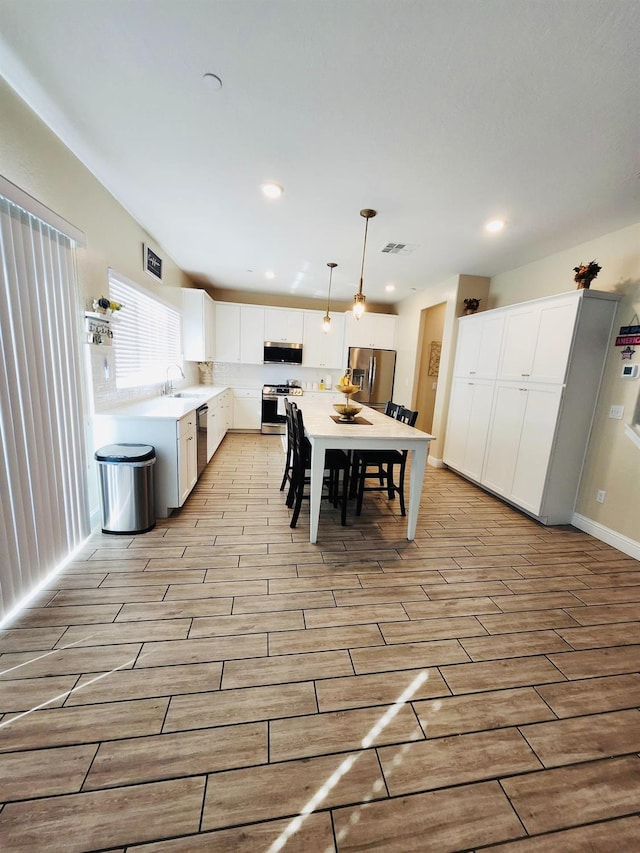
(126, 487)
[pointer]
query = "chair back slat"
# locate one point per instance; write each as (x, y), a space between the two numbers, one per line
(407, 416)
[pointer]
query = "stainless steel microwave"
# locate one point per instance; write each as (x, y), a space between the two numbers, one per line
(282, 353)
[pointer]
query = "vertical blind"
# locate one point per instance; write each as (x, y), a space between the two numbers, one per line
(43, 496)
(146, 334)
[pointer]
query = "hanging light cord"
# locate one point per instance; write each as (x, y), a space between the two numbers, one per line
(364, 249)
(331, 266)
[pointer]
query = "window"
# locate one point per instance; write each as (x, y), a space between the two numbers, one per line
(44, 513)
(146, 334)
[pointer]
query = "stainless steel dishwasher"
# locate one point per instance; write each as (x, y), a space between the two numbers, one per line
(202, 414)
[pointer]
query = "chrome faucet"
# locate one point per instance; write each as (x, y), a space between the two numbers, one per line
(168, 385)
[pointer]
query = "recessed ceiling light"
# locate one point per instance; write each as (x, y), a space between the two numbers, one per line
(212, 81)
(390, 288)
(494, 225)
(271, 190)
(269, 274)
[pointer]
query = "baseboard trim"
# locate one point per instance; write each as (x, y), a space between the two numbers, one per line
(606, 534)
(435, 462)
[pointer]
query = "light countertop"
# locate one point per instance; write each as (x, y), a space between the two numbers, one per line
(170, 408)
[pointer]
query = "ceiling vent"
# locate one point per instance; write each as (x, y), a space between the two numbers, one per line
(399, 248)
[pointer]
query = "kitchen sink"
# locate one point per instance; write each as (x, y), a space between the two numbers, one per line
(187, 394)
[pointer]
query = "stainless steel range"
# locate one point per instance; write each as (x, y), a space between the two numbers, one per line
(273, 416)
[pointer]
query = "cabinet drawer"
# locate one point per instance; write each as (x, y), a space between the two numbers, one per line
(186, 424)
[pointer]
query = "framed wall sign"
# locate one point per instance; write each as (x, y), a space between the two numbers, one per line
(152, 263)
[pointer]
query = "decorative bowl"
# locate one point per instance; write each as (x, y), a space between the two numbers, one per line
(347, 411)
(348, 389)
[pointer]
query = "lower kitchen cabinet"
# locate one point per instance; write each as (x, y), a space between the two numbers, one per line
(218, 421)
(187, 456)
(247, 408)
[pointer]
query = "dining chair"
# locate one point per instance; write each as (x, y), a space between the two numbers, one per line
(336, 462)
(383, 463)
(288, 463)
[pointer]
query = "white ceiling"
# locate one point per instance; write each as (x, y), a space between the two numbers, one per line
(440, 114)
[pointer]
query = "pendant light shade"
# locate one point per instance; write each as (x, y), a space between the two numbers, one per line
(359, 299)
(326, 322)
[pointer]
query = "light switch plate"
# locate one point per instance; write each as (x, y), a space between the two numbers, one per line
(616, 412)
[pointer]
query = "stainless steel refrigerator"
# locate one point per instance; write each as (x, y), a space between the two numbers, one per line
(373, 370)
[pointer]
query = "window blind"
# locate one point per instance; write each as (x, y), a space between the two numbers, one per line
(146, 334)
(44, 514)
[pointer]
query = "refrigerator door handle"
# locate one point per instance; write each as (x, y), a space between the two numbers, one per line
(372, 375)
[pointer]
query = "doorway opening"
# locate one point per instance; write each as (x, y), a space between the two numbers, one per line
(428, 364)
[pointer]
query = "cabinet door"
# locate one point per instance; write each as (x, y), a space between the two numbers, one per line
(520, 336)
(371, 330)
(468, 426)
(187, 464)
(537, 340)
(313, 339)
(209, 329)
(536, 442)
(554, 341)
(504, 438)
(283, 325)
(251, 334)
(246, 409)
(227, 334)
(198, 325)
(213, 418)
(479, 344)
(319, 348)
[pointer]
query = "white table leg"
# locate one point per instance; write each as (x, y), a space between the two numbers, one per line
(317, 470)
(418, 464)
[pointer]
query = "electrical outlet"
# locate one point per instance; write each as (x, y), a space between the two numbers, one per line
(616, 412)
(600, 496)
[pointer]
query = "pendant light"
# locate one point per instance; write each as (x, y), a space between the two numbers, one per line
(359, 299)
(326, 322)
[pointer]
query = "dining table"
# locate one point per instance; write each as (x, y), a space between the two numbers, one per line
(370, 430)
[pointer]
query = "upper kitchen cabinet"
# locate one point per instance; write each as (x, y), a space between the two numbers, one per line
(479, 343)
(251, 334)
(320, 349)
(377, 331)
(538, 339)
(198, 325)
(227, 326)
(239, 333)
(283, 326)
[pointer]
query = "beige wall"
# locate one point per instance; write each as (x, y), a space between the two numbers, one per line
(613, 461)
(33, 157)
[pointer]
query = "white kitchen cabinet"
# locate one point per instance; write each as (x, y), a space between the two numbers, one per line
(198, 325)
(320, 349)
(187, 456)
(538, 339)
(479, 345)
(520, 441)
(372, 330)
(552, 356)
(251, 334)
(247, 408)
(283, 326)
(468, 425)
(227, 333)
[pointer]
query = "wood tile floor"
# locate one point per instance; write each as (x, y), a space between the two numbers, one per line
(220, 684)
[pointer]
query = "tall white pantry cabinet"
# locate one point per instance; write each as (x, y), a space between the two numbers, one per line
(526, 381)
